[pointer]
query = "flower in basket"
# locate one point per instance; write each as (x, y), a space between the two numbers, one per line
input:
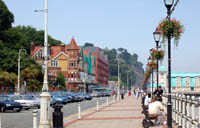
(173, 28)
(152, 65)
(157, 54)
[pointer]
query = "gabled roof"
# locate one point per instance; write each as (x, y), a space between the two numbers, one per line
(36, 49)
(73, 44)
(59, 55)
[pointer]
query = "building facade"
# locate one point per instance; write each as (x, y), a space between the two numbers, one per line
(62, 58)
(180, 81)
(100, 62)
(80, 66)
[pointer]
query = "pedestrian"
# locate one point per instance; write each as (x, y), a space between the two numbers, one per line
(147, 100)
(158, 92)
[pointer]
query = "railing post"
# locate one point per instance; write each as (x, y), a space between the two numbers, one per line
(173, 107)
(199, 109)
(188, 111)
(35, 114)
(193, 111)
(179, 111)
(79, 110)
(97, 104)
(176, 110)
(183, 106)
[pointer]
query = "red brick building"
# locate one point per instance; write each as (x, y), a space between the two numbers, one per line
(101, 65)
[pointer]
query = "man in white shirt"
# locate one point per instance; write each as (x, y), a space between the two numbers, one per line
(156, 108)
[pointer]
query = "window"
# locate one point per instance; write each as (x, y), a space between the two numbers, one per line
(54, 63)
(40, 55)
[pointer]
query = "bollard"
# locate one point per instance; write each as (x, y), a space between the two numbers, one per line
(57, 116)
(113, 98)
(97, 104)
(79, 110)
(107, 100)
(35, 113)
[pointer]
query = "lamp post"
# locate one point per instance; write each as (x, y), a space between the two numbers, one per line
(45, 96)
(18, 77)
(118, 90)
(157, 35)
(151, 76)
(169, 4)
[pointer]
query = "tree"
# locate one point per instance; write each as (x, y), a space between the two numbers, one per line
(6, 17)
(88, 45)
(61, 81)
(8, 81)
(30, 74)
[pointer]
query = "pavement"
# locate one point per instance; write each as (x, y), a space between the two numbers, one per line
(124, 113)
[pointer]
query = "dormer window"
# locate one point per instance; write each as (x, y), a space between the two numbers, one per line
(54, 63)
(40, 54)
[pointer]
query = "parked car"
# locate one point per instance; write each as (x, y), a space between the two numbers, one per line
(96, 94)
(6, 103)
(34, 103)
(87, 96)
(59, 98)
(18, 98)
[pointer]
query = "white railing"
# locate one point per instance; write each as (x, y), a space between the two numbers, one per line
(185, 110)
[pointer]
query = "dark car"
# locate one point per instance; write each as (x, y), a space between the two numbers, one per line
(87, 96)
(7, 104)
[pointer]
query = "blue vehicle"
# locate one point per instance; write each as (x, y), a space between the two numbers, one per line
(59, 99)
(7, 104)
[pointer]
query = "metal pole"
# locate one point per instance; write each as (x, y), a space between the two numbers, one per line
(18, 77)
(35, 113)
(152, 82)
(79, 110)
(157, 63)
(118, 91)
(127, 83)
(169, 103)
(45, 96)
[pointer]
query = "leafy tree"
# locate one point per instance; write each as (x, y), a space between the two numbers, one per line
(61, 81)
(88, 45)
(8, 81)
(6, 17)
(30, 74)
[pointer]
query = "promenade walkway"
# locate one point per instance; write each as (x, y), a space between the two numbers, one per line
(120, 114)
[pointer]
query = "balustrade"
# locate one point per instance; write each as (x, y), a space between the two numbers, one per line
(185, 110)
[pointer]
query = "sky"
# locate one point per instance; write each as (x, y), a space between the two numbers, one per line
(116, 23)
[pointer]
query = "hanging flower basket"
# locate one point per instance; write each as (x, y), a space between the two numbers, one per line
(157, 54)
(173, 28)
(151, 65)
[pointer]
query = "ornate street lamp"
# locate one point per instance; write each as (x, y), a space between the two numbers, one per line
(169, 4)
(45, 96)
(157, 36)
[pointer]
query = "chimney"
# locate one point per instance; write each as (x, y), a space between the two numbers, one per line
(32, 46)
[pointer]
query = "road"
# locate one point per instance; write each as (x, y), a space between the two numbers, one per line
(24, 119)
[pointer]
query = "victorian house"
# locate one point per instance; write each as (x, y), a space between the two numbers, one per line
(62, 58)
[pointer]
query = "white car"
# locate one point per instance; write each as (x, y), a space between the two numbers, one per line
(34, 103)
(18, 98)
